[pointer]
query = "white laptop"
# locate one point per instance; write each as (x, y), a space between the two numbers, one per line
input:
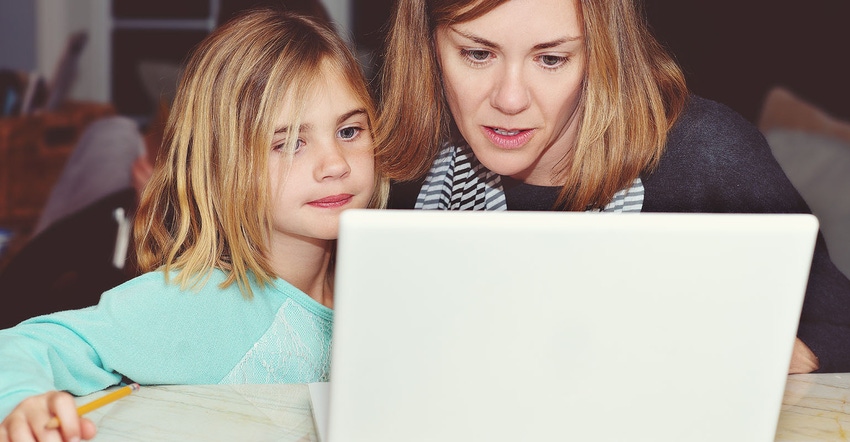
(510, 326)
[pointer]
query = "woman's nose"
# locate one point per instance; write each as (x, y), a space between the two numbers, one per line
(510, 93)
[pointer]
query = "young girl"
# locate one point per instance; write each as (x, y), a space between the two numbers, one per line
(268, 142)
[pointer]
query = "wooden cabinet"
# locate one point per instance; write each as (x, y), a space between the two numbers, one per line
(33, 151)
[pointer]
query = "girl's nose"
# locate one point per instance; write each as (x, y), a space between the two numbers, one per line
(510, 94)
(333, 164)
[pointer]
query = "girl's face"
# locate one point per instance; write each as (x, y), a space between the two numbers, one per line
(513, 78)
(332, 168)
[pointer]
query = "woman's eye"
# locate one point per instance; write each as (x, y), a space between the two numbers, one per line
(552, 61)
(349, 133)
(476, 55)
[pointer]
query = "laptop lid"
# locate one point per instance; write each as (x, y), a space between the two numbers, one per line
(506, 326)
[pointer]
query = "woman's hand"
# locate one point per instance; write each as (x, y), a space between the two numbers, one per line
(28, 421)
(803, 360)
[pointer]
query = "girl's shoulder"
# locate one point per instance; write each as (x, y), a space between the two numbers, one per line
(162, 297)
(287, 291)
(212, 284)
(159, 286)
(159, 281)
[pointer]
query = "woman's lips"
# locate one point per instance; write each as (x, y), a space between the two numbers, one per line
(508, 138)
(332, 201)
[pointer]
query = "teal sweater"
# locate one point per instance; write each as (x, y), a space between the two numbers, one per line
(155, 333)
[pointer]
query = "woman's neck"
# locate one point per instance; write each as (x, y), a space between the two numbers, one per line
(305, 263)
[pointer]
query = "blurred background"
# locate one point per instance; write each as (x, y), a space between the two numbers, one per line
(65, 64)
(779, 63)
(133, 49)
(733, 51)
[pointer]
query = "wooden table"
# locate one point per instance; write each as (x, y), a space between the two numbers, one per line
(814, 409)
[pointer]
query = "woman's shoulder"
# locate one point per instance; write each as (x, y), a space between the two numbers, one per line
(716, 160)
(711, 123)
(709, 133)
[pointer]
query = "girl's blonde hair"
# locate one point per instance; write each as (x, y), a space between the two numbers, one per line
(632, 94)
(207, 204)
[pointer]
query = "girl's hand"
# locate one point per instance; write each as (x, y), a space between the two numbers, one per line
(28, 421)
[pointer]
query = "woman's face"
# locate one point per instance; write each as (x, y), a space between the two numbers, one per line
(512, 78)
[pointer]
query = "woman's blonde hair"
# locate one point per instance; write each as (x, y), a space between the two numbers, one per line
(632, 94)
(207, 204)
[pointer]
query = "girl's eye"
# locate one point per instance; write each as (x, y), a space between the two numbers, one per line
(551, 61)
(299, 143)
(476, 55)
(349, 133)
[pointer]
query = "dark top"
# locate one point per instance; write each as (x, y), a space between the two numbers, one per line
(68, 265)
(716, 161)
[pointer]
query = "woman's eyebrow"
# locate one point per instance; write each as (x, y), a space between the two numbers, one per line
(556, 43)
(487, 43)
(480, 40)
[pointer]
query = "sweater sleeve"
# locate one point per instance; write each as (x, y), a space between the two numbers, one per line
(42, 355)
(146, 330)
(716, 161)
(825, 320)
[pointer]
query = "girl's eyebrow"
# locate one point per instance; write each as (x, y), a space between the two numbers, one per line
(489, 44)
(340, 120)
(350, 114)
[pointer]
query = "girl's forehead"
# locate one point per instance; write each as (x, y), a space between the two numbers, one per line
(310, 83)
(330, 91)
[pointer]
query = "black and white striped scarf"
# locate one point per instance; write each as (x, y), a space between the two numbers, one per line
(458, 181)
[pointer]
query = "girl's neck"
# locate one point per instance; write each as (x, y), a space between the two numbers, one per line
(305, 263)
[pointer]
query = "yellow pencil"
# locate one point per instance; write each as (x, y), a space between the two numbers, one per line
(97, 403)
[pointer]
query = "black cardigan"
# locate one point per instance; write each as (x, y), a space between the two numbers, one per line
(716, 161)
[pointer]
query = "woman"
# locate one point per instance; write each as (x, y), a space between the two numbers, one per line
(573, 105)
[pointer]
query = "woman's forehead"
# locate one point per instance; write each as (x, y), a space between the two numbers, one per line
(543, 20)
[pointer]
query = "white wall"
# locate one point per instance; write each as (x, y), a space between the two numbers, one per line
(57, 19)
(17, 35)
(340, 11)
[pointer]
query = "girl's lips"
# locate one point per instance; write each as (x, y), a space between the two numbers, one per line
(332, 201)
(508, 138)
